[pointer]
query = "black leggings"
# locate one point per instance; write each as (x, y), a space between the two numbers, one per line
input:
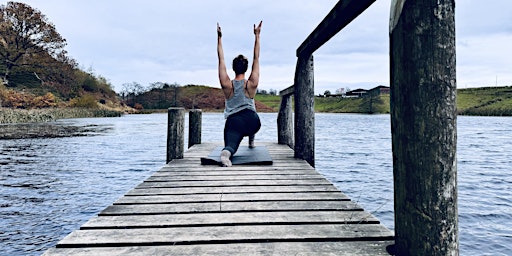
(243, 123)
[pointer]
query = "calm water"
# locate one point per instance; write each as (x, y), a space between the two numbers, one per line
(49, 187)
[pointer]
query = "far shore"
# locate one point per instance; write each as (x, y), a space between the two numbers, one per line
(13, 116)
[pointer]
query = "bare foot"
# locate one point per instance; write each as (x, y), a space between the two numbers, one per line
(224, 158)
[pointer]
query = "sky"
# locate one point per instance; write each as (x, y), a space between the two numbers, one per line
(175, 41)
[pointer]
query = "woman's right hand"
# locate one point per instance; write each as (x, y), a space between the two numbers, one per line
(257, 30)
(219, 31)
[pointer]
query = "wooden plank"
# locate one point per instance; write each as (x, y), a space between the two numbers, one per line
(340, 16)
(225, 234)
(288, 91)
(348, 248)
(235, 177)
(272, 206)
(231, 218)
(185, 163)
(236, 172)
(228, 190)
(222, 183)
(214, 168)
(233, 197)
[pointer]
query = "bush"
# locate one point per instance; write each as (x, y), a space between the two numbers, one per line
(86, 101)
(90, 84)
(14, 99)
(46, 101)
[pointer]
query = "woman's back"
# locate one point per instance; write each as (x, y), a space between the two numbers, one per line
(239, 101)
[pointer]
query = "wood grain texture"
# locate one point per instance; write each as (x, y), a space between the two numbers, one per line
(189, 209)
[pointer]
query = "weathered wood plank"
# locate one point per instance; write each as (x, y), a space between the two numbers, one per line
(273, 206)
(231, 218)
(227, 190)
(238, 171)
(234, 197)
(185, 163)
(221, 183)
(348, 248)
(235, 177)
(225, 234)
(214, 168)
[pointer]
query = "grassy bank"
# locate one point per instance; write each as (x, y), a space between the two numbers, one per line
(379, 104)
(485, 101)
(271, 101)
(8, 115)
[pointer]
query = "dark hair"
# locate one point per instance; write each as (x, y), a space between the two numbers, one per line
(240, 64)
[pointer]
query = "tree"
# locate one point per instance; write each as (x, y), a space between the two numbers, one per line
(130, 91)
(25, 32)
(327, 93)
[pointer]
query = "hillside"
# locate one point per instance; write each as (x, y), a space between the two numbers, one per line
(35, 69)
(24, 91)
(485, 101)
(207, 98)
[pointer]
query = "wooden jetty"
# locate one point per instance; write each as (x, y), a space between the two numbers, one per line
(186, 208)
(288, 208)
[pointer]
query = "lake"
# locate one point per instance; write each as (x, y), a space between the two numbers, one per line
(51, 186)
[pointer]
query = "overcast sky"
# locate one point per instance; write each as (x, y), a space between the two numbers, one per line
(175, 41)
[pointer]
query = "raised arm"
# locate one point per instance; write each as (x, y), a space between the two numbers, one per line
(225, 81)
(254, 78)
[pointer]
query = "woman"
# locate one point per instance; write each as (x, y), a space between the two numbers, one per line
(240, 112)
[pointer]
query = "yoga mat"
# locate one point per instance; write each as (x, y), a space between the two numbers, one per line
(244, 155)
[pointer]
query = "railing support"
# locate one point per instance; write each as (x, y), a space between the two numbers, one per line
(305, 110)
(194, 127)
(175, 133)
(285, 118)
(424, 126)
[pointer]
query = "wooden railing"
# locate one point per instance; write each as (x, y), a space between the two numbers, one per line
(285, 118)
(303, 91)
(424, 134)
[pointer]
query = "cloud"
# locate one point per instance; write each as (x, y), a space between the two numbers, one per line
(175, 41)
(484, 61)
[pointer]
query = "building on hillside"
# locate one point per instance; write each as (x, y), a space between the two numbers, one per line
(381, 89)
(357, 93)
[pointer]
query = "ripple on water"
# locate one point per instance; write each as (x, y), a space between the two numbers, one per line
(49, 187)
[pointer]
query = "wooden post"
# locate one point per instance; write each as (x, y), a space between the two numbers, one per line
(194, 127)
(175, 133)
(285, 122)
(423, 125)
(305, 109)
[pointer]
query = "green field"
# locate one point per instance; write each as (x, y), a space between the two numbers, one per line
(271, 101)
(484, 101)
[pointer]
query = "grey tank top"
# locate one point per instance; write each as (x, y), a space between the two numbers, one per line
(239, 101)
